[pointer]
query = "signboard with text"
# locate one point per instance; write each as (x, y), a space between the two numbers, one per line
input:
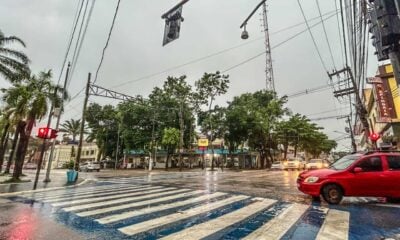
(202, 142)
(384, 101)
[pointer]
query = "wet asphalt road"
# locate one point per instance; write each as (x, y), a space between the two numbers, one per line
(114, 205)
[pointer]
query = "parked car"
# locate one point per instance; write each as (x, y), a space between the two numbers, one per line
(277, 166)
(294, 163)
(370, 175)
(317, 164)
(89, 167)
(30, 166)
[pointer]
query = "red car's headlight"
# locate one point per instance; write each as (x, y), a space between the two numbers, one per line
(311, 180)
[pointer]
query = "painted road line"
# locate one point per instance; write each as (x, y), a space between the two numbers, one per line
(164, 220)
(71, 191)
(210, 227)
(335, 226)
(278, 226)
(98, 199)
(73, 194)
(137, 204)
(125, 215)
(104, 194)
(388, 205)
(122, 200)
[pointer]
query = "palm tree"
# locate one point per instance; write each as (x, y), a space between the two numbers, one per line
(13, 63)
(71, 127)
(31, 100)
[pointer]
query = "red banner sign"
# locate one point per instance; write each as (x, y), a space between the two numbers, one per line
(384, 100)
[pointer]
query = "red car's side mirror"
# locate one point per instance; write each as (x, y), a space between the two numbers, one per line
(357, 170)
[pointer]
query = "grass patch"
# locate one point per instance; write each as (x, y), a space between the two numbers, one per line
(11, 180)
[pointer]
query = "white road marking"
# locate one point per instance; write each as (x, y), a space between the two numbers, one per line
(210, 227)
(335, 226)
(157, 222)
(144, 191)
(137, 204)
(121, 200)
(108, 193)
(125, 215)
(73, 191)
(388, 205)
(278, 226)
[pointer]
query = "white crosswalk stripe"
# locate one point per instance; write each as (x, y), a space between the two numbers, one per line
(76, 190)
(137, 204)
(335, 226)
(73, 194)
(66, 203)
(103, 194)
(121, 200)
(154, 223)
(277, 227)
(125, 215)
(205, 229)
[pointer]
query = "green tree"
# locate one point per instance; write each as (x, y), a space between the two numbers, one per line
(31, 100)
(170, 141)
(13, 63)
(72, 128)
(208, 87)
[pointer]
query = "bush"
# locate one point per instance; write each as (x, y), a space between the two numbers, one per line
(68, 165)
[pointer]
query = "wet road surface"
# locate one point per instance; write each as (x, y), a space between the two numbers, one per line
(193, 205)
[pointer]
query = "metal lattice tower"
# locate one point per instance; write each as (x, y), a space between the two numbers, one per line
(268, 69)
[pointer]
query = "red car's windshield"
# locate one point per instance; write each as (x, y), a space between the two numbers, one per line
(344, 162)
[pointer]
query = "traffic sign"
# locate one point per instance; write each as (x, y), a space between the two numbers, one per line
(202, 142)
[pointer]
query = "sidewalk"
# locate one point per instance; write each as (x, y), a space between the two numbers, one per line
(58, 179)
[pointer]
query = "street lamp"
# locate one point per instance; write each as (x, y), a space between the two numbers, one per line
(245, 34)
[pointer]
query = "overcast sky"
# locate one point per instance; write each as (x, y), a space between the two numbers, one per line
(135, 49)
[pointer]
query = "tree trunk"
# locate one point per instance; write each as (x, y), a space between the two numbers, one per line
(3, 151)
(285, 149)
(181, 130)
(262, 159)
(166, 162)
(295, 150)
(23, 147)
(19, 157)
(13, 148)
(3, 144)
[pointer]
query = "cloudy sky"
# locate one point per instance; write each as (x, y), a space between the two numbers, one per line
(135, 50)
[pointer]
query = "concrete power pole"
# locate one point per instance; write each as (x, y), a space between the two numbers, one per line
(47, 179)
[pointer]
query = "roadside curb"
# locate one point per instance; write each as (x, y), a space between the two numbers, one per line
(43, 189)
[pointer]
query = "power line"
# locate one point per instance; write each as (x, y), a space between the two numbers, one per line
(312, 37)
(75, 60)
(221, 52)
(78, 39)
(279, 44)
(75, 23)
(326, 35)
(108, 40)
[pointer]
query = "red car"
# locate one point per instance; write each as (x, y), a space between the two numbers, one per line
(374, 174)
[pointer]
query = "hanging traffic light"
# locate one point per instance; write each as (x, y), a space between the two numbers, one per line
(374, 137)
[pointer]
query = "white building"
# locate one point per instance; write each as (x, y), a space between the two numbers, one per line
(64, 153)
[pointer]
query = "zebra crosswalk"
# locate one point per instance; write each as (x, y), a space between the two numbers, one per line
(144, 211)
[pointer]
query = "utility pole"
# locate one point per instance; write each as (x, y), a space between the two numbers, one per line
(362, 112)
(353, 141)
(47, 179)
(78, 154)
(270, 85)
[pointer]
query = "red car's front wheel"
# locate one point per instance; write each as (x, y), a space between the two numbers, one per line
(332, 193)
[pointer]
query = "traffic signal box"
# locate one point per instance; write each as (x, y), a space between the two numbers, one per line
(47, 133)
